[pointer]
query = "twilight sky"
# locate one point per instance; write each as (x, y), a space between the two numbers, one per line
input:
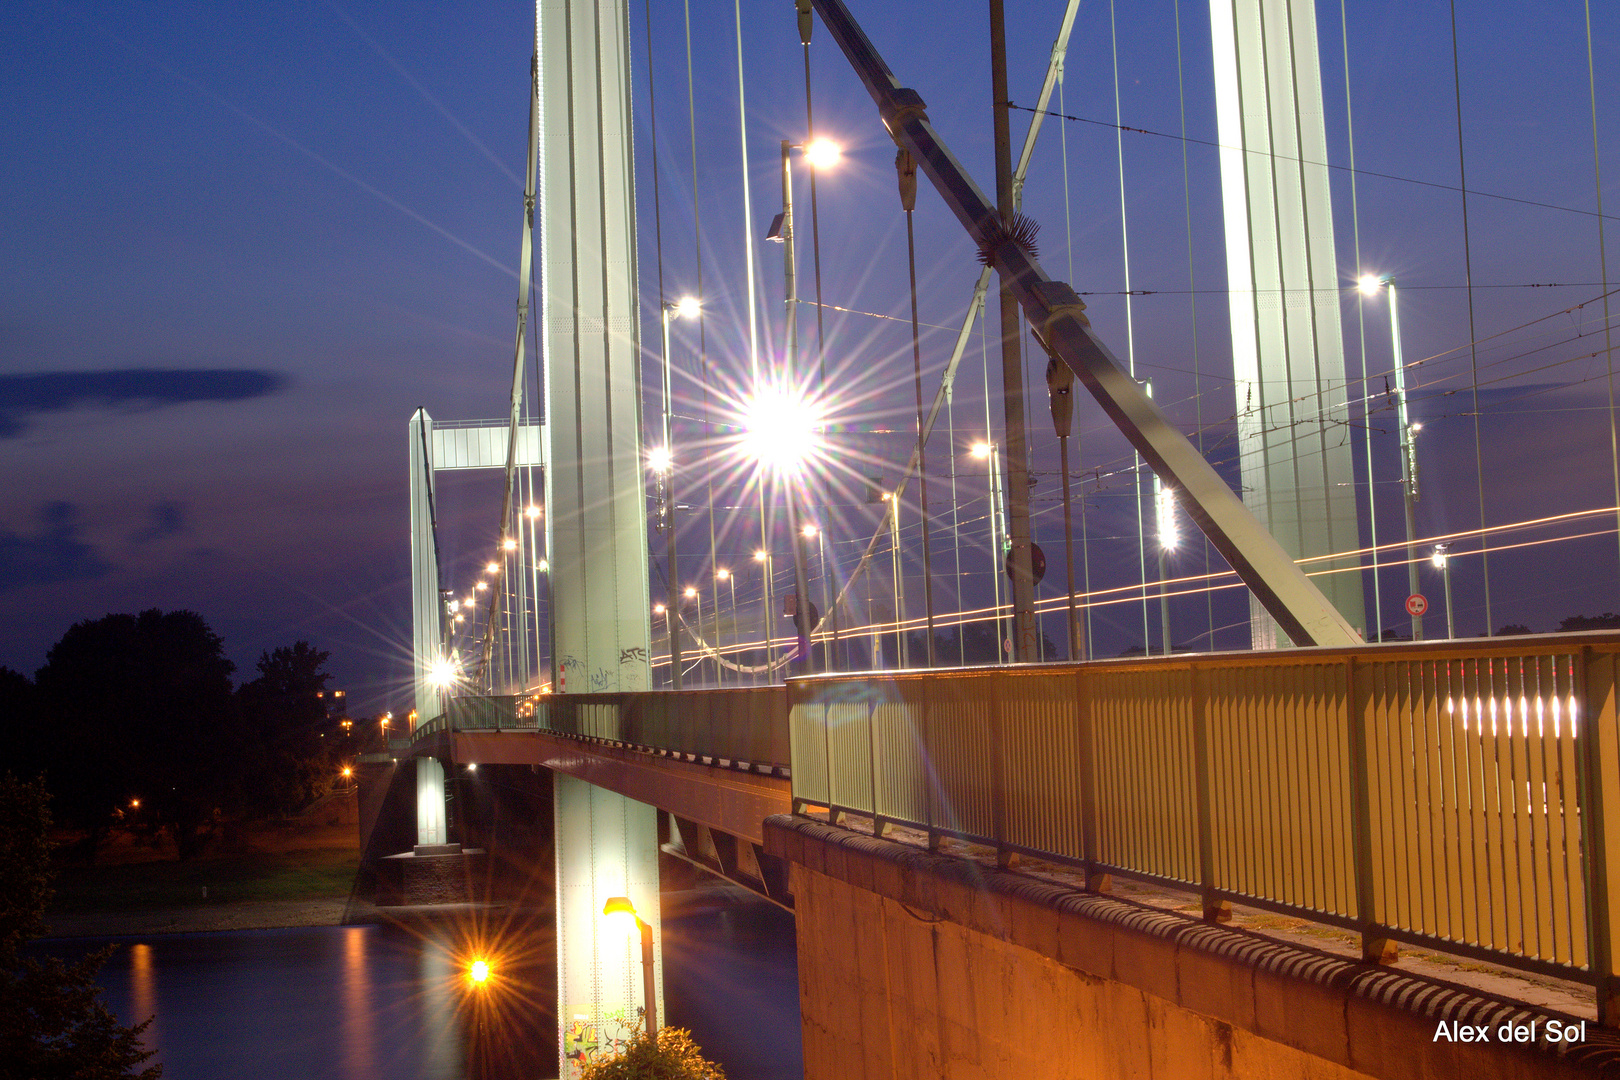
(242, 242)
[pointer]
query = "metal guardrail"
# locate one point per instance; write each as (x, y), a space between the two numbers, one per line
(742, 725)
(1463, 796)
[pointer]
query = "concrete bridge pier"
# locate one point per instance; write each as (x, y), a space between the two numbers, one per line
(607, 845)
(430, 804)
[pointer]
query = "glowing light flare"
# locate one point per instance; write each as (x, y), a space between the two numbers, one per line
(658, 609)
(721, 574)
(759, 556)
(492, 568)
(780, 430)
(533, 512)
(478, 972)
(981, 450)
(690, 593)
(1169, 529)
(809, 532)
(823, 153)
(479, 585)
(509, 544)
(687, 307)
(543, 565)
(621, 912)
(659, 459)
(442, 674)
(1369, 284)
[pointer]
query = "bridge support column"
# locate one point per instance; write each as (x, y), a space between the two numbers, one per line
(430, 815)
(607, 845)
(1287, 342)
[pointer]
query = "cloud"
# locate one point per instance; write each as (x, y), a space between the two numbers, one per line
(26, 396)
(166, 518)
(53, 554)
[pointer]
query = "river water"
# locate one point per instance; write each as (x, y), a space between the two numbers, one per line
(388, 1002)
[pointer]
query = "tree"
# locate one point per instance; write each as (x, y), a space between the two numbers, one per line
(1513, 629)
(286, 712)
(1606, 621)
(52, 1022)
(141, 706)
(671, 1055)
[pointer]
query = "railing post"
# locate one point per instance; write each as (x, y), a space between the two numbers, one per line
(1599, 743)
(1216, 909)
(998, 777)
(1376, 947)
(1096, 880)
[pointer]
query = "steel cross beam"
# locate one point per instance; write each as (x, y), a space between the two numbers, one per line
(1057, 315)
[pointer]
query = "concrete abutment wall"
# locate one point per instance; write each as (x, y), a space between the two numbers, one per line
(917, 965)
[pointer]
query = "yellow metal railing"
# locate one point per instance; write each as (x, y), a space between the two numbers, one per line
(1459, 795)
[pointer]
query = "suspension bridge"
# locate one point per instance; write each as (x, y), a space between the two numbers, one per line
(811, 581)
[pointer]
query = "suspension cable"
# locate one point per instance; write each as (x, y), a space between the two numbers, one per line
(1603, 261)
(1468, 274)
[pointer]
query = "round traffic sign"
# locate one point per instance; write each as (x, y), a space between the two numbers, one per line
(1416, 604)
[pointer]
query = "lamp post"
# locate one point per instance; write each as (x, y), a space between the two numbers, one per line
(781, 438)
(902, 658)
(1370, 285)
(622, 907)
(691, 593)
(1442, 559)
(986, 452)
(662, 462)
(763, 557)
(819, 154)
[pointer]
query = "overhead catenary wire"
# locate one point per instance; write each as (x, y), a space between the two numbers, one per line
(1317, 164)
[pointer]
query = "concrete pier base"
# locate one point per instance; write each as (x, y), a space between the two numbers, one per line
(918, 965)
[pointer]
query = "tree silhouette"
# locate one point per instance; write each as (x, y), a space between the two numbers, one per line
(141, 706)
(52, 1021)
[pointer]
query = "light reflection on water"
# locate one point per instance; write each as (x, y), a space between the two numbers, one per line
(384, 1003)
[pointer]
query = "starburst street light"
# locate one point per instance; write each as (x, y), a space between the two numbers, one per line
(659, 459)
(442, 674)
(781, 430)
(823, 153)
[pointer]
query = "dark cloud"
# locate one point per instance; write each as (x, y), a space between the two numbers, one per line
(25, 396)
(55, 553)
(167, 518)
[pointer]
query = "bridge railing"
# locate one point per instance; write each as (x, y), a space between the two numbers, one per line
(747, 724)
(1461, 796)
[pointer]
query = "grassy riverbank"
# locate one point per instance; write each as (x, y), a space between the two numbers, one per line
(269, 874)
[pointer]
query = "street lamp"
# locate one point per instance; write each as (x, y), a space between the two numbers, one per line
(986, 452)
(621, 907)
(819, 154)
(1370, 285)
(780, 434)
(662, 462)
(1442, 560)
(725, 575)
(691, 593)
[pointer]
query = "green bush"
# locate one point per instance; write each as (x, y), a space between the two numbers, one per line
(671, 1056)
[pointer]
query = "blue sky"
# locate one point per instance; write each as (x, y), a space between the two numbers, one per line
(312, 208)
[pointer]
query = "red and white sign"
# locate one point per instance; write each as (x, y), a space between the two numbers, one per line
(1416, 604)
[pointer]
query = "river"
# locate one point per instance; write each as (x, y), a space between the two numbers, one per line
(388, 1002)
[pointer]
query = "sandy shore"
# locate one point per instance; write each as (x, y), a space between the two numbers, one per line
(193, 919)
